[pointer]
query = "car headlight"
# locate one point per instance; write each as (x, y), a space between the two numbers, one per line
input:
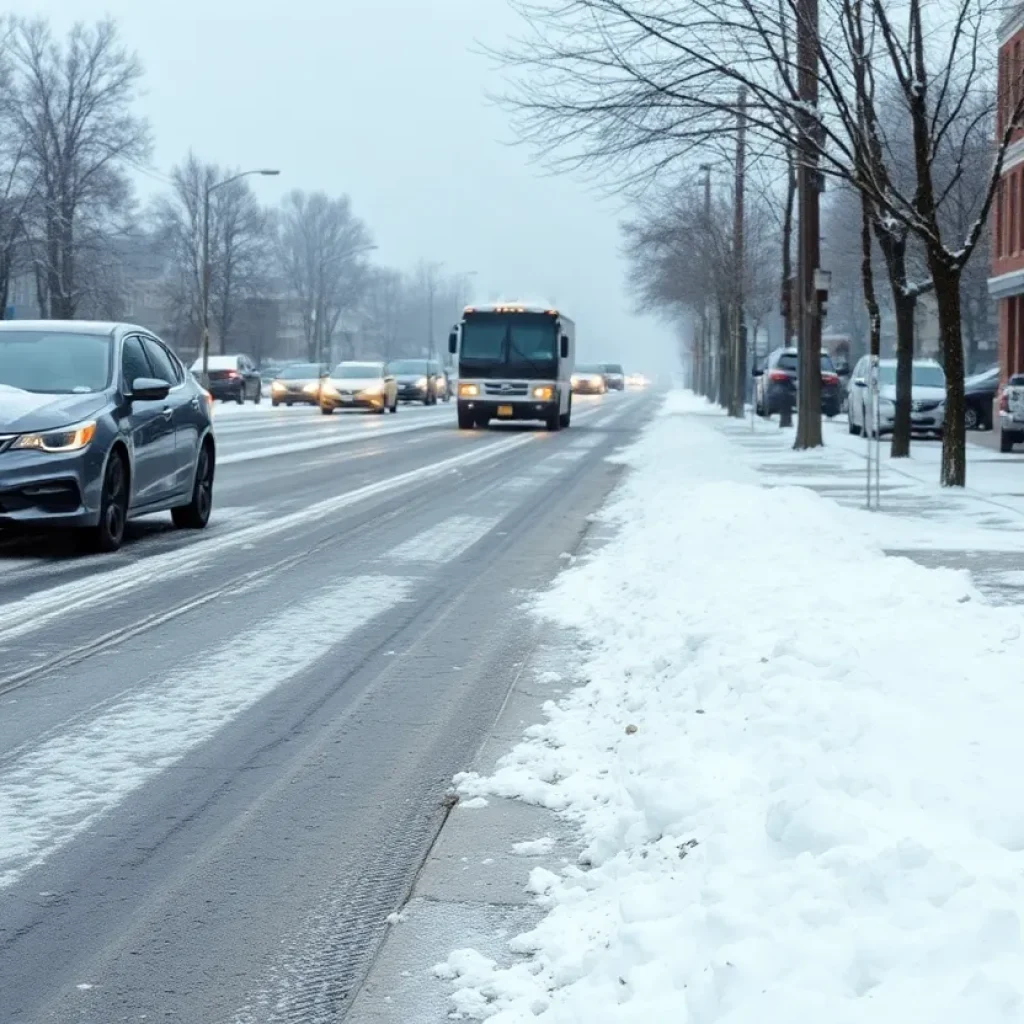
(312, 388)
(68, 439)
(327, 388)
(277, 387)
(543, 393)
(374, 389)
(468, 391)
(422, 382)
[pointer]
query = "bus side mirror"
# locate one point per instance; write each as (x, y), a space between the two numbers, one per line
(453, 342)
(565, 346)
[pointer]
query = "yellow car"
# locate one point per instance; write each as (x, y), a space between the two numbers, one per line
(369, 386)
(297, 385)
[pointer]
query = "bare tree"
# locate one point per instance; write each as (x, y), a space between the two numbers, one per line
(322, 245)
(73, 110)
(640, 85)
(241, 255)
(384, 302)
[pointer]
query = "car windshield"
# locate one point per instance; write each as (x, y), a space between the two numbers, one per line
(409, 366)
(55, 362)
(304, 371)
(924, 376)
(356, 371)
(588, 369)
(612, 368)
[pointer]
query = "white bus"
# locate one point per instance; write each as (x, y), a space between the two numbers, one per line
(515, 362)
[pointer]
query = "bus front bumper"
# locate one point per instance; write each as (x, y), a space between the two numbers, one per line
(491, 409)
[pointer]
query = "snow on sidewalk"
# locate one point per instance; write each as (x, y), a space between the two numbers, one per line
(795, 766)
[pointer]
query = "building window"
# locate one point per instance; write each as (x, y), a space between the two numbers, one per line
(999, 218)
(1011, 219)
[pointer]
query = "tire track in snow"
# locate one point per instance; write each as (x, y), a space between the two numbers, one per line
(53, 792)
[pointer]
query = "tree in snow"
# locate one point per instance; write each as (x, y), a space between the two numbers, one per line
(322, 246)
(638, 87)
(72, 108)
(241, 254)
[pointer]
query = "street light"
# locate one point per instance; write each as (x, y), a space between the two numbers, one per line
(206, 259)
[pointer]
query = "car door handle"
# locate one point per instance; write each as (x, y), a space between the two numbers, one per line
(167, 413)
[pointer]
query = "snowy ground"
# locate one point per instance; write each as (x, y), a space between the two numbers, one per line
(792, 758)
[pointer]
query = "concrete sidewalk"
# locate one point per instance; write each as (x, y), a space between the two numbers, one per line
(979, 529)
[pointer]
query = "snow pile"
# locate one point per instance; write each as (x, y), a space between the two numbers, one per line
(795, 764)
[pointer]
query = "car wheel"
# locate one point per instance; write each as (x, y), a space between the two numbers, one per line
(240, 397)
(554, 421)
(1006, 442)
(259, 395)
(196, 514)
(326, 410)
(108, 534)
(467, 421)
(972, 420)
(275, 403)
(394, 407)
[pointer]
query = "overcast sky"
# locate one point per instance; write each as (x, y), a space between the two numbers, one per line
(384, 100)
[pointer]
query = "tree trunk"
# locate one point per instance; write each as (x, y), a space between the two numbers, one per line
(724, 362)
(954, 434)
(894, 251)
(787, 249)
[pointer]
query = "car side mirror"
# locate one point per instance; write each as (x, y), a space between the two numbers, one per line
(149, 389)
(860, 382)
(453, 342)
(565, 346)
(757, 372)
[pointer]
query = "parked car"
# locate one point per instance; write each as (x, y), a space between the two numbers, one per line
(776, 383)
(979, 397)
(100, 422)
(352, 385)
(588, 380)
(298, 384)
(1011, 413)
(232, 378)
(614, 376)
(420, 380)
(927, 396)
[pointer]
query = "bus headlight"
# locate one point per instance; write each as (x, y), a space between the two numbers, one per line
(468, 391)
(544, 393)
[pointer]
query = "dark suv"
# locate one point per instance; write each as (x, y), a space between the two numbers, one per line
(232, 378)
(776, 383)
(420, 380)
(614, 376)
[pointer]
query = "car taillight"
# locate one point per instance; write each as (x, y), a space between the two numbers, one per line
(830, 378)
(778, 375)
(1004, 401)
(232, 373)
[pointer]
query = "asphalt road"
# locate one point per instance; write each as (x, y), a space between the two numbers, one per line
(223, 756)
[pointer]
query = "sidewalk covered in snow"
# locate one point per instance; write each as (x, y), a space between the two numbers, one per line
(793, 757)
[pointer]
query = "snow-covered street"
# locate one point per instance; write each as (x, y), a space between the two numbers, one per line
(792, 757)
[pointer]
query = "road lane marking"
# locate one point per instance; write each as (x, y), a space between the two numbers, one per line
(291, 447)
(58, 789)
(36, 611)
(445, 541)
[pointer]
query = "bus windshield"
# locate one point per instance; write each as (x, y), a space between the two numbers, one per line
(517, 344)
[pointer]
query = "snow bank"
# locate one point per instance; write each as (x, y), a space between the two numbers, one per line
(794, 764)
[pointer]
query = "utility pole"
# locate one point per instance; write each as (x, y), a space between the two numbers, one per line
(739, 344)
(808, 433)
(208, 190)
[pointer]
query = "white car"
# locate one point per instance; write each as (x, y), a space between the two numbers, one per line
(359, 386)
(927, 396)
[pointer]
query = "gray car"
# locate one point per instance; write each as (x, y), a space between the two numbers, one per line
(100, 422)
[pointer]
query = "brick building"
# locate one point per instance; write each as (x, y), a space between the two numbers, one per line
(1006, 285)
